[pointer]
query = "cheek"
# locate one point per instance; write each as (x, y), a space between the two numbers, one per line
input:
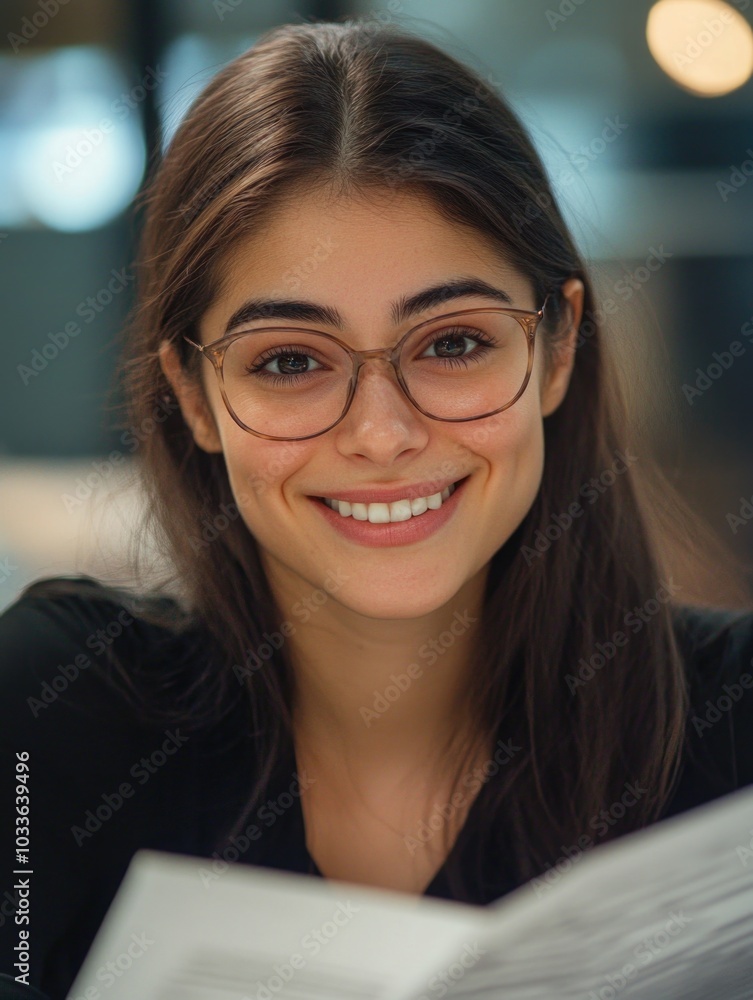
(517, 471)
(511, 447)
(249, 466)
(261, 470)
(257, 471)
(511, 441)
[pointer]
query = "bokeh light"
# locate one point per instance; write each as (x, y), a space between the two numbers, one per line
(705, 46)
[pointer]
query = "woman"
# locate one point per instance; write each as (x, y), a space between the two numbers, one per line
(426, 635)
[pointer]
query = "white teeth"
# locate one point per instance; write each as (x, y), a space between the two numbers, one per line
(379, 513)
(398, 510)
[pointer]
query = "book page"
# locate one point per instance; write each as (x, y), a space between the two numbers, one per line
(665, 913)
(176, 930)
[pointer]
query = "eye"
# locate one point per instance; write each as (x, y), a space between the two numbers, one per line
(453, 344)
(289, 363)
(459, 346)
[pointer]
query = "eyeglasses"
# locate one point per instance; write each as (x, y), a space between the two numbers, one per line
(290, 384)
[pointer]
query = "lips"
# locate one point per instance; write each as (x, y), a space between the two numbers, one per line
(376, 532)
(409, 491)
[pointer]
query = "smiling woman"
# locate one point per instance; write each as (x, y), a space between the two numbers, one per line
(425, 564)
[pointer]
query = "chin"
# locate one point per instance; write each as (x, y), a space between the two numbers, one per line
(398, 605)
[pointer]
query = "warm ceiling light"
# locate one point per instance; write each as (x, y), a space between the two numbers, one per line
(706, 46)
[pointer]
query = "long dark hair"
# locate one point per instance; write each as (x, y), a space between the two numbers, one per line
(370, 108)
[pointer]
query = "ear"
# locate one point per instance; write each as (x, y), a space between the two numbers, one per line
(192, 400)
(557, 378)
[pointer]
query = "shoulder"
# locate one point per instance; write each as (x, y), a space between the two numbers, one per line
(717, 649)
(59, 643)
(104, 777)
(716, 644)
(70, 603)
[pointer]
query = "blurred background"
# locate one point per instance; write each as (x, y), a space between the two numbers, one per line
(642, 111)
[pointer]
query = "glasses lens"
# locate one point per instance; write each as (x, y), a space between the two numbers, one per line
(466, 366)
(286, 383)
(291, 383)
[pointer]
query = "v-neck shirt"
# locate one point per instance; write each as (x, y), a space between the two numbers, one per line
(104, 784)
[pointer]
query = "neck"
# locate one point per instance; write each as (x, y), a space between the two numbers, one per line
(385, 693)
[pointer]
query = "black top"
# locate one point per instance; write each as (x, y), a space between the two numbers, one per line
(102, 784)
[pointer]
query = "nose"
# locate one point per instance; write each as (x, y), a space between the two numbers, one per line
(381, 422)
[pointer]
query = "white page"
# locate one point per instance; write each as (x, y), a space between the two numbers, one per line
(673, 901)
(679, 891)
(222, 941)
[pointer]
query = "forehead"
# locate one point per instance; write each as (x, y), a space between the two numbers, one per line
(359, 253)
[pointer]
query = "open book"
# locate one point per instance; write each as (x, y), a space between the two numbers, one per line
(662, 913)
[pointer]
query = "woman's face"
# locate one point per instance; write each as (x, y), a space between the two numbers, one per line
(361, 257)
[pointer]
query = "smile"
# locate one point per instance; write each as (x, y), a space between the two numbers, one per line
(384, 513)
(373, 524)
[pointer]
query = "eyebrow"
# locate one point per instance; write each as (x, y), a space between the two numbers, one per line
(402, 309)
